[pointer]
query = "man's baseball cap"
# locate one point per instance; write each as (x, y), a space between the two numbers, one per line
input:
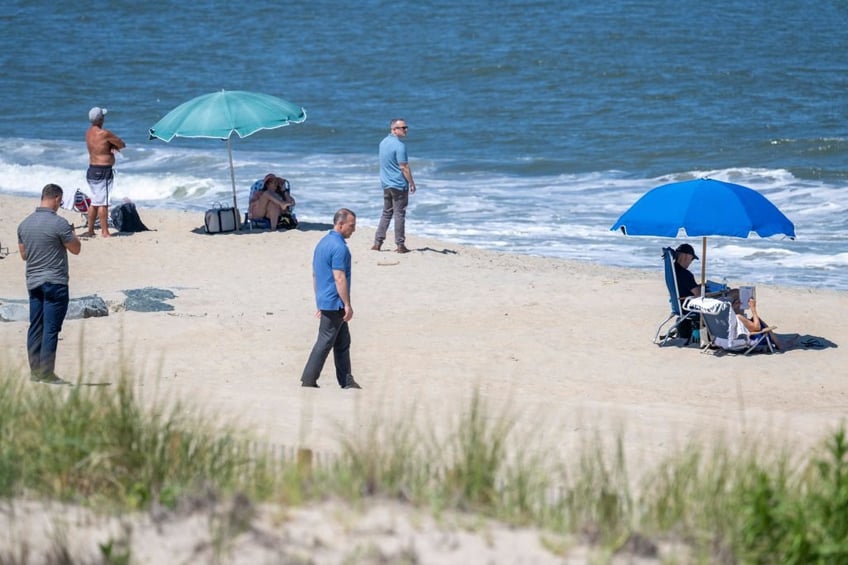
(686, 248)
(96, 114)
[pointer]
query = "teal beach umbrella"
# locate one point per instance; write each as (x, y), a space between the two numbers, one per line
(220, 114)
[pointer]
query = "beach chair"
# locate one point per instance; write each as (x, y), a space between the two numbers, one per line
(287, 221)
(81, 204)
(724, 330)
(679, 315)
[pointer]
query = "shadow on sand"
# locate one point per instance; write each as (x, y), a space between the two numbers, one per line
(425, 249)
(441, 251)
(301, 226)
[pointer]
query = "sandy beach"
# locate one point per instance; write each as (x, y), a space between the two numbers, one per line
(566, 346)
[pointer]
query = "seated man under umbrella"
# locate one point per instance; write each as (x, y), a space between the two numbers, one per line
(686, 283)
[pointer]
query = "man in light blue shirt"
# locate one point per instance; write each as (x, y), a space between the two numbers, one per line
(331, 270)
(396, 180)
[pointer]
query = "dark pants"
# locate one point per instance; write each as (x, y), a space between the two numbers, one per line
(333, 333)
(394, 206)
(48, 305)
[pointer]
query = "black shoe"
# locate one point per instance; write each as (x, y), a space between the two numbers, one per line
(310, 385)
(376, 246)
(351, 383)
(49, 380)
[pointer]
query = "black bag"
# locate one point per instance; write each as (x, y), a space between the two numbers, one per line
(287, 222)
(125, 218)
(685, 328)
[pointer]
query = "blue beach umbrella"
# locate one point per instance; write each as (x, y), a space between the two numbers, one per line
(220, 114)
(704, 207)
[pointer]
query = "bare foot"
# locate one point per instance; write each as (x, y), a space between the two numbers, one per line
(106, 234)
(88, 234)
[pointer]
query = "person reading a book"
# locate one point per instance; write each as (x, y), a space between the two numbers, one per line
(753, 323)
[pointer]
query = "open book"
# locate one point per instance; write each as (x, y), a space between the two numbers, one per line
(745, 293)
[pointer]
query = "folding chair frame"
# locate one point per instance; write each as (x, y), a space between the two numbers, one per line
(678, 311)
(83, 212)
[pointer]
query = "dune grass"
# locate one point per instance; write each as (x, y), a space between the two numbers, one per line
(103, 447)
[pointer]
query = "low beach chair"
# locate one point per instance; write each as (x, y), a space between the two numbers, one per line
(725, 331)
(81, 204)
(679, 315)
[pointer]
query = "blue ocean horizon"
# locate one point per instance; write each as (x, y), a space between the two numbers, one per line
(533, 124)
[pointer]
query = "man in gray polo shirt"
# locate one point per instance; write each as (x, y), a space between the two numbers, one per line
(44, 239)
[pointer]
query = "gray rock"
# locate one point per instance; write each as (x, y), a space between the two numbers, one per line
(83, 307)
(14, 312)
(87, 307)
(138, 300)
(148, 300)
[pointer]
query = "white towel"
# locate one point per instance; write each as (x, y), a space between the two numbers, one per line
(68, 201)
(702, 304)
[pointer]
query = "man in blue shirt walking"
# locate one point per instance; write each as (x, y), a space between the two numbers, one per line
(331, 270)
(396, 180)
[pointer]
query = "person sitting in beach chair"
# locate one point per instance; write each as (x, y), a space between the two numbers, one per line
(752, 325)
(271, 205)
(684, 322)
(729, 328)
(686, 283)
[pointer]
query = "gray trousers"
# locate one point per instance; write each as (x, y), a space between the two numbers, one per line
(394, 206)
(333, 333)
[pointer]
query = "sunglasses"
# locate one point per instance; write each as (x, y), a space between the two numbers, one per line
(401, 127)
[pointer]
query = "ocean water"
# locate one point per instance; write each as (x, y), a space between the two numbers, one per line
(533, 124)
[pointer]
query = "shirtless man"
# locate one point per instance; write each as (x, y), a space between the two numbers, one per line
(102, 145)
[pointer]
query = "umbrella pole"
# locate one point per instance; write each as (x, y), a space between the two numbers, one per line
(232, 171)
(703, 332)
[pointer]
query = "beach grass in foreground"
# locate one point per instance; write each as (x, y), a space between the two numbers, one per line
(102, 447)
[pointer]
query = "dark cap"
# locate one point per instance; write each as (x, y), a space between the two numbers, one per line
(686, 248)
